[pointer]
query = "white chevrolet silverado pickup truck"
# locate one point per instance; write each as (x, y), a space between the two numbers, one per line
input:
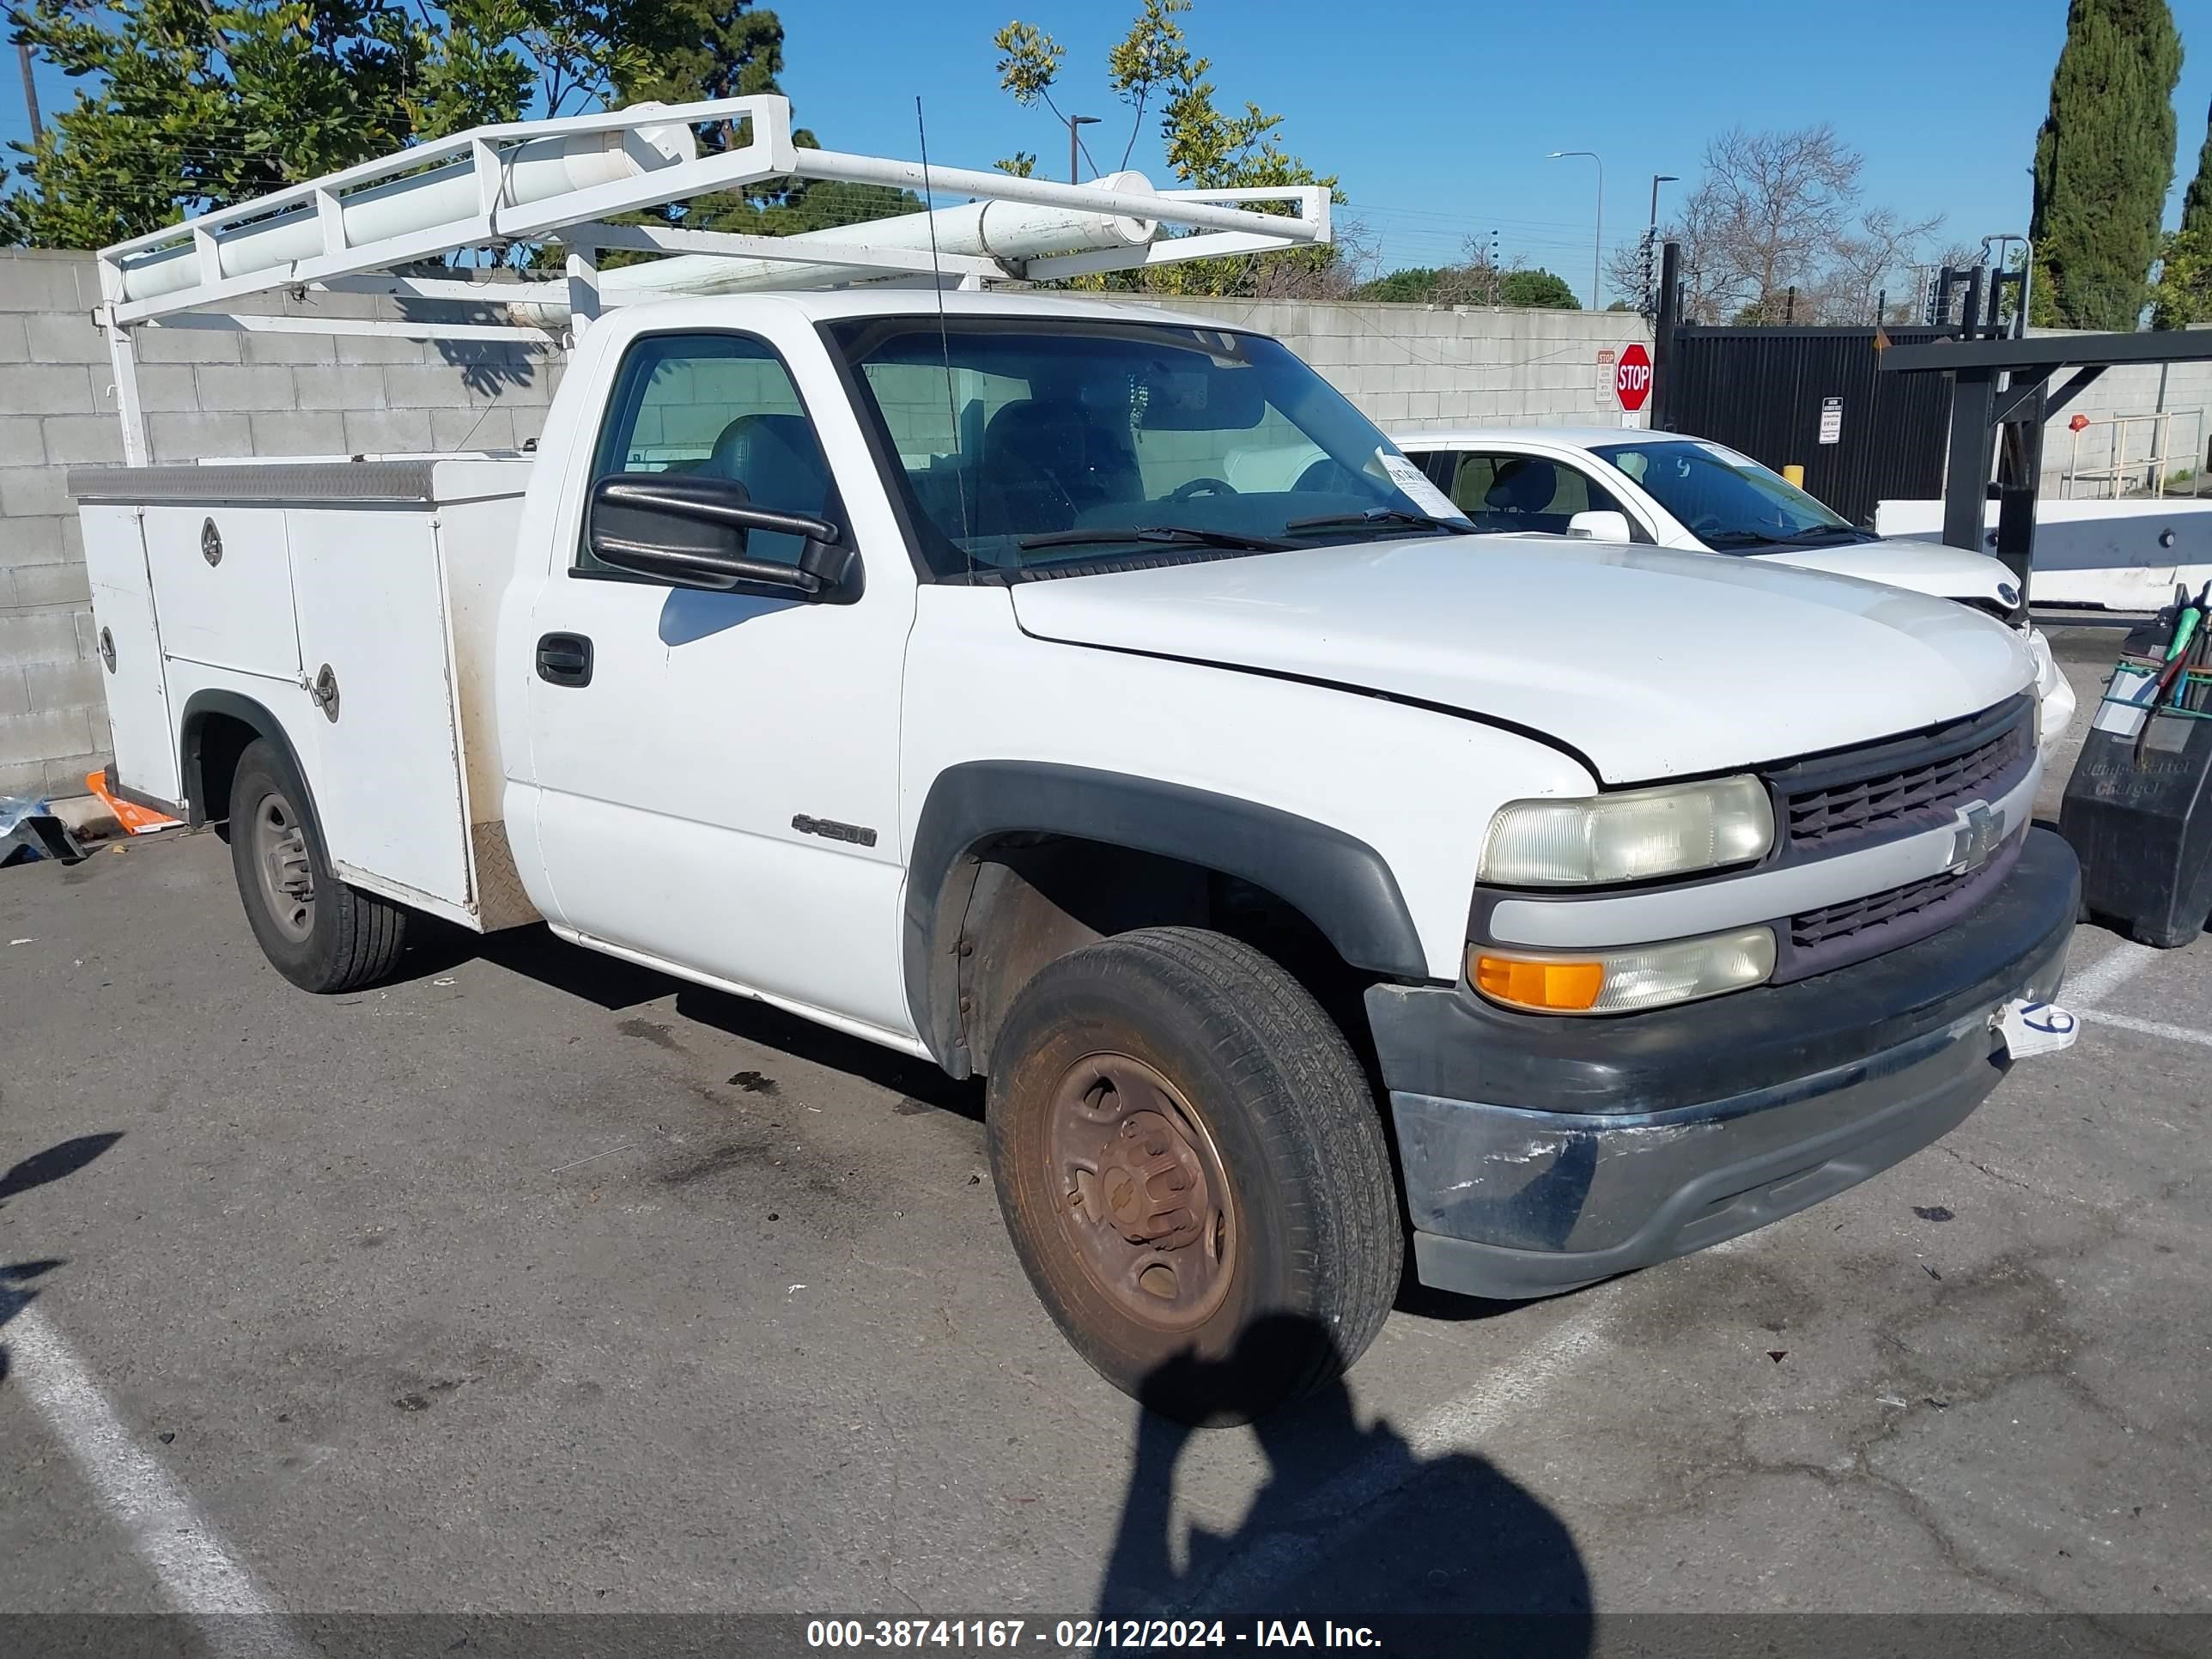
(1090, 700)
(1303, 876)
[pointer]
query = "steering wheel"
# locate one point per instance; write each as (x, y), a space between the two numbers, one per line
(1184, 491)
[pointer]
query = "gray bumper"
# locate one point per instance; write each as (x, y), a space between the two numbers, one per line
(1514, 1202)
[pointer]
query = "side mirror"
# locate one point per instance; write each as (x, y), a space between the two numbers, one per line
(690, 529)
(1608, 526)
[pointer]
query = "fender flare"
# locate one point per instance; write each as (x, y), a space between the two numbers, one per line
(1342, 884)
(189, 762)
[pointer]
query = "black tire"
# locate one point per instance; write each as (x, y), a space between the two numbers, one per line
(1296, 1266)
(338, 939)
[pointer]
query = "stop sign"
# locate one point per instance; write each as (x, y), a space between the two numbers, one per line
(1632, 378)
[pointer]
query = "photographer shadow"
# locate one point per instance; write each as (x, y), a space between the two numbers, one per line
(1353, 1524)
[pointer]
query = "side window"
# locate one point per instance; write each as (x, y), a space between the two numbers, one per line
(1580, 493)
(1530, 493)
(718, 404)
(1471, 482)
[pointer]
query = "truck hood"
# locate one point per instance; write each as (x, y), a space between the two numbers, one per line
(1649, 663)
(1948, 573)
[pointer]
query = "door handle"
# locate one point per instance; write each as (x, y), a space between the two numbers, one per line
(564, 659)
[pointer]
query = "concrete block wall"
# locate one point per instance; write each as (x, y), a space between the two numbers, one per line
(1425, 367)
(206, 394)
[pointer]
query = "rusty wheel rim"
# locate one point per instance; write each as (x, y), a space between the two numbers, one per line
(1139, 1192)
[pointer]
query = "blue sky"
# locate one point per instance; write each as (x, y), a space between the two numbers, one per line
(1437, 119)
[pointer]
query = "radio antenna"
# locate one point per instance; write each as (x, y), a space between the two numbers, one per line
(960, 480)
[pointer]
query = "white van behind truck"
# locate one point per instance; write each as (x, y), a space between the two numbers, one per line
(1301, 885)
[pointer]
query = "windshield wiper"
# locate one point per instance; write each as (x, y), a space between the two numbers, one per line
(1182, 535)
(1824, 532)
(1382, 515)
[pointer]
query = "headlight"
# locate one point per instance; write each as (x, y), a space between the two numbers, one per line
(1631, 836)
(1622, 981)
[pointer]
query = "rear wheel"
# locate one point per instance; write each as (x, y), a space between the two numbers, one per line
(1190, 1162)
(319, 933)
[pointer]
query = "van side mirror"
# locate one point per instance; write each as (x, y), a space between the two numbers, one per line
(690, 529)
(1608, 526)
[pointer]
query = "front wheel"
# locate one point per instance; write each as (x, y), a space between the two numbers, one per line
(319, 933)
(1189, 1160)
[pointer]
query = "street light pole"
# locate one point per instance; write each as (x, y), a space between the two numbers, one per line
(1597, 241)
(1075, 146)
(1651, 235)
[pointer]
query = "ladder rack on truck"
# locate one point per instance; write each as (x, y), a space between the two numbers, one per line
(561, 181)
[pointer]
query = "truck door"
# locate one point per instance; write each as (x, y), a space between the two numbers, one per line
(717, 772)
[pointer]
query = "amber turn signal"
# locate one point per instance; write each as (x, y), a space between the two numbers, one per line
(1561, 987)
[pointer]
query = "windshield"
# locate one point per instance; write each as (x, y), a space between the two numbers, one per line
(1056, 445)
(1728, 501)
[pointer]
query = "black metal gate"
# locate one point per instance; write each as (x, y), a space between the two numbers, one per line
(1811, 397)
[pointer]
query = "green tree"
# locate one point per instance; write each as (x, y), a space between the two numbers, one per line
(1477, 282)
(2104, 159)
(2196, 205)
(184, 105)
(1538, 289)
(1414, 285)
(2184, 294)
(1151, 69)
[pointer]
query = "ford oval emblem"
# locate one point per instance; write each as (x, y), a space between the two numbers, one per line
(2008, 594)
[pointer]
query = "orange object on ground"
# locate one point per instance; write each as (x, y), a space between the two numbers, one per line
(138, 820)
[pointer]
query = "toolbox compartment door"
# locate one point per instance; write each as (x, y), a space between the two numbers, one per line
(222, 585)
(371, 598)
(128, 644)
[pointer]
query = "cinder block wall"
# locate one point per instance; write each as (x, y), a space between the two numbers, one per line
(1428, 367)
(206, 394)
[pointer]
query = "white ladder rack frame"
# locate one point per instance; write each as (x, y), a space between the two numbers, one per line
(1216, 223)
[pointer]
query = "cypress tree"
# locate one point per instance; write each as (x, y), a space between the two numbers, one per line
(2197, 206)
(2104, 160)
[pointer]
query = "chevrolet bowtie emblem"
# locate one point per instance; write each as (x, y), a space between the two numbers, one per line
(1978, 833)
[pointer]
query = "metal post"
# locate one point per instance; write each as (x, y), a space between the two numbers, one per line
(1651, 238)
(1966, 474)
(1075, 146)
(30, 89)
(1662, 336)
(1597, 241)
(2020, 468)
(123, 361)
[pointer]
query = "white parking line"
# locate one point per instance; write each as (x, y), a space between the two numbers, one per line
(199, 1575)
(2108, 973)
(2157, 1028)
(2086, 989)
(1461, 1425)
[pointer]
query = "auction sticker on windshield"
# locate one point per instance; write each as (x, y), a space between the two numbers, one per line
(1415, 483)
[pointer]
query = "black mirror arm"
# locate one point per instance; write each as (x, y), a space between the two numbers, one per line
(713, 569)
(668, 493)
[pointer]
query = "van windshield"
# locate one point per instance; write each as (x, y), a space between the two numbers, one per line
(1728, 501)
(1030, 446)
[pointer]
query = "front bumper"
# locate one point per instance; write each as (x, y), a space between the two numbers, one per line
(1541, 1154)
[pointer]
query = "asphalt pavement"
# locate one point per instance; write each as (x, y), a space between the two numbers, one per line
(536, 1283)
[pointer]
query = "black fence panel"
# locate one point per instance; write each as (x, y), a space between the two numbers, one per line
(1766, 391)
